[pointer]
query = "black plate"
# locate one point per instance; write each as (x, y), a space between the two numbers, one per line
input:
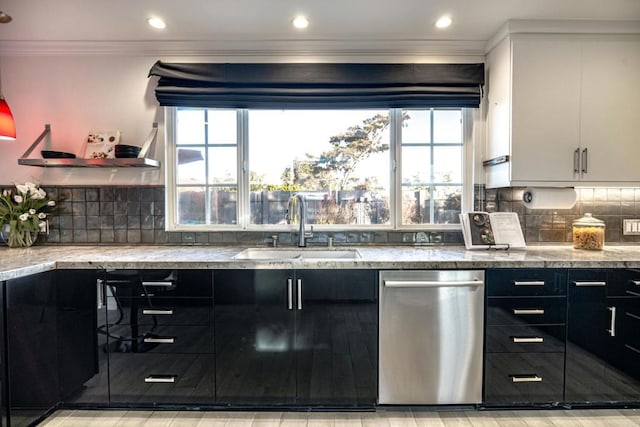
(48, 154)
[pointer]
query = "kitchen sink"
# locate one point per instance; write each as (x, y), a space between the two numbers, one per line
(301, 254)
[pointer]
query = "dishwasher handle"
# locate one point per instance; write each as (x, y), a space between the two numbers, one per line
(432, 283)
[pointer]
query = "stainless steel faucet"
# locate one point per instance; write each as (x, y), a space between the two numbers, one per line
(297, 210)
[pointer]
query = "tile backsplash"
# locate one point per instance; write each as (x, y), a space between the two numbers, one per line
(135, 215)
(611, 205)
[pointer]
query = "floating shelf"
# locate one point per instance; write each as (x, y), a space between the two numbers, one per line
(91, 163)
(134, 162)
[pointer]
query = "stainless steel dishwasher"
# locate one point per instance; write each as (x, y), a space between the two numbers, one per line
(431, 335)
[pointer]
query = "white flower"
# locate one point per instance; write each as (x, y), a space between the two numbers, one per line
(6, 192)
(23, 189)
(42, 226)
(51, 203)
(38, 194)
(18, 198)
(32, 187)
(32, 211)
(24, 217)
(42, 215)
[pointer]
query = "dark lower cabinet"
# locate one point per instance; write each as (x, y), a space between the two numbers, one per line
(292, 338)
(603, 354)
(32, 348)
(3, 367)
(159, 336)
(82, 340)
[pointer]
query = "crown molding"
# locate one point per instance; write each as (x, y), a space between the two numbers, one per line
(303, 49)
(563, 27)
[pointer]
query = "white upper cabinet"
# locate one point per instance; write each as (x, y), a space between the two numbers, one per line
(565, 109)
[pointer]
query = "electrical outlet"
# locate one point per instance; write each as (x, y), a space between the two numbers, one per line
(630, 227)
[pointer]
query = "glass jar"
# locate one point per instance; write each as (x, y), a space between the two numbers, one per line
(588, 233)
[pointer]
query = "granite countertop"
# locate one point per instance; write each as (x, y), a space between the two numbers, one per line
(21, 262)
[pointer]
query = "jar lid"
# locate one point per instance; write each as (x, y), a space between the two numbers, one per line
(588, 221)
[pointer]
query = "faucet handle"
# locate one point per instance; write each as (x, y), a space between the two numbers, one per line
(309, 233)
(274, 240)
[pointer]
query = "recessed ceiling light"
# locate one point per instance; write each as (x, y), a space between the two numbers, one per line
(300, 22)
(156, 23)
(444, 22)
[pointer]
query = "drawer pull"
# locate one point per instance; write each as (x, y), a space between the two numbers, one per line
(636, 282)
(635, 294)
(159, 284)
(577, 283)
(527, 339)
(160, 340)
(528, 282)
(160, 379)
(526, 379)
(158, 312)
(528, 311)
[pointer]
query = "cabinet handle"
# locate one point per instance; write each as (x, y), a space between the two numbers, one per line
(299, 294)
(579, 283)
(527, 339)
(636, 282)
(585, 155)
(158, 284)
(612, 330)
(289, 294)
(526, 379)
(528, 311)
(160, 379)
(528, 282)
(158, 312)
(635, 294)
(167, 340)
(576, 161)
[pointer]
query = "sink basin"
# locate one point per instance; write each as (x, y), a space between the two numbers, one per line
(302, 254)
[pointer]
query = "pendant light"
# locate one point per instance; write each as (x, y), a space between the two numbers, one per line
(7, 124)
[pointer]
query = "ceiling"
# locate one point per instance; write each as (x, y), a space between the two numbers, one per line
(257, 22)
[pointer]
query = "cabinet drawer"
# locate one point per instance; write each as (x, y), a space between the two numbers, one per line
(524, 378)
(526, 282)
(518, 339)
(161, 378)
(160, 283)
(179, 311)
(623, 283)
(162, 339)
(526, 311)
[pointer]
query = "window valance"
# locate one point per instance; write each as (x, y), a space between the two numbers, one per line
(313, 85)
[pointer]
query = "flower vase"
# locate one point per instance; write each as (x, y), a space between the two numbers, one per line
(18, 239)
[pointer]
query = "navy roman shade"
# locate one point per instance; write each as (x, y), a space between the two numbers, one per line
(326, 85)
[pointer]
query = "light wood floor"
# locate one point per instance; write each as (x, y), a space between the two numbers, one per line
(533, 418)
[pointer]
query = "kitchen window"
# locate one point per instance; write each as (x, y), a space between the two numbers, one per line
(360, 168)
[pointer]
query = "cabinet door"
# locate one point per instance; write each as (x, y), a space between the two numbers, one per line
(336, 337)
(610, 109)
(600, 368)
(31, 347)
(82, 338)
(545, 115)
(254, 328)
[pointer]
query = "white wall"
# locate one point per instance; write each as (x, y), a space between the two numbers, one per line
(77, 94)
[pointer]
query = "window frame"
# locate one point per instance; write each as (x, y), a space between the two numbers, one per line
(243, 214)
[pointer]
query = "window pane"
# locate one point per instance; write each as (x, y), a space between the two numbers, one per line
(223, 165)
(190, 127)
(416, 127)
(222, 126)
(224, 205)
(447, 164)
(431, 205)
(191, 205)
(416, 164)
(447, 126)
(191, 166)
(338, 158)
